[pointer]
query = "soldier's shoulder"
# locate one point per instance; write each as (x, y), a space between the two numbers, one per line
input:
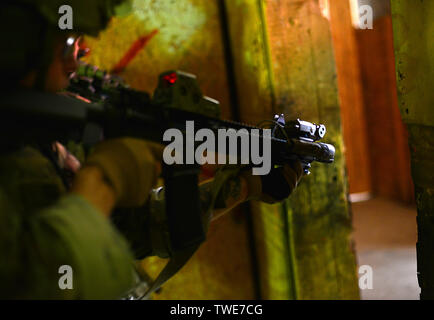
(28, 177)
(24, 162)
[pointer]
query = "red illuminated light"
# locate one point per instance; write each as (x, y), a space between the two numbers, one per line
(170, 78)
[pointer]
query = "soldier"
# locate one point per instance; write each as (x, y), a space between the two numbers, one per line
(48, 220)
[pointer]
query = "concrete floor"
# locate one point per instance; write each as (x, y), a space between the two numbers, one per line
(385, 234)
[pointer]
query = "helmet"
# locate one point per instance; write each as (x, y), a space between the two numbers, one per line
(28, 28)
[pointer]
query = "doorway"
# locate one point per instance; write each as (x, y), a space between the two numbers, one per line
(376, 149)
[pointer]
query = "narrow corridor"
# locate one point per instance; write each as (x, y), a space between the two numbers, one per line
(385, 234)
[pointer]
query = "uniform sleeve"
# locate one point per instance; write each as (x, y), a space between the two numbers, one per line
(70, 235)
(43, 231)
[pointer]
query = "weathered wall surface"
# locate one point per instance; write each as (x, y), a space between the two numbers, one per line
(283, 60)
(252, 75)
(305, 86)
(413, 27)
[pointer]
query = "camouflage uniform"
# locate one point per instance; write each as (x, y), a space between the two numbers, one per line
(44, 228)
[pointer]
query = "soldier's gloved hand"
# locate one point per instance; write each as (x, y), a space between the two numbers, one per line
(277, 185)
(131, 166)
(280, 182)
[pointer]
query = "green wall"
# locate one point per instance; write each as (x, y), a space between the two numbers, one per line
(413, 27)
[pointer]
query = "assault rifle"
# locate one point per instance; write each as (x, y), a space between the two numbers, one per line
(178, 99)
(100, 106)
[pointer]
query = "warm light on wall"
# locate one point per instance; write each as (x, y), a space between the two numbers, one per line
(355, 13)
(324, 6)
